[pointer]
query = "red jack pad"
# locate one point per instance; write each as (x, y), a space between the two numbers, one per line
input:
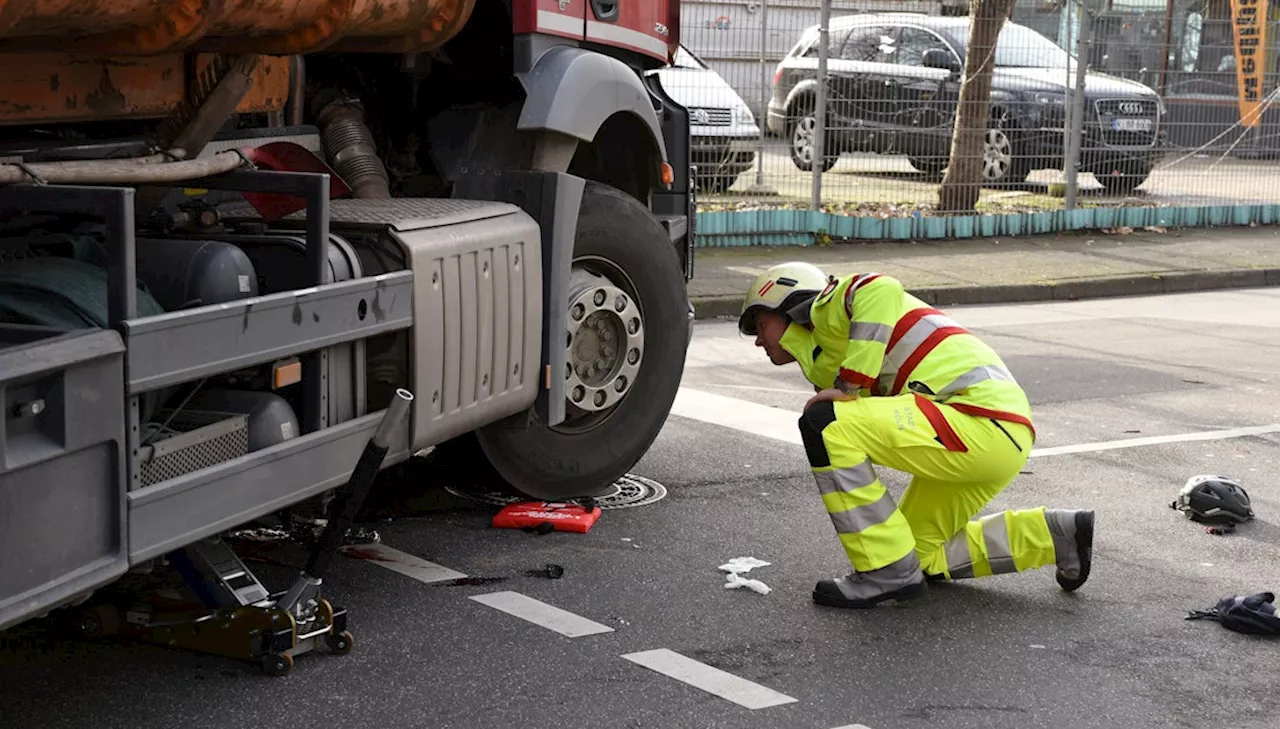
(561, 516)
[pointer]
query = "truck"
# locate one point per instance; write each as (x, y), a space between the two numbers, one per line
(232, 231)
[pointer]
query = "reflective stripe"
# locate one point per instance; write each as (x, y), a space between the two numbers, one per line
(917, 356)
(858, 283)
(869, 331)
(958, 562)
(995, 534)
(974, 376)
(846, 479)
(908, 341)
(861, 518)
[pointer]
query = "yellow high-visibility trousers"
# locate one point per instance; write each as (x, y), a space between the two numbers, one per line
(935, 519)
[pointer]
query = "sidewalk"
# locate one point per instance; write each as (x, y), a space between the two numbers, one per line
(989, 271)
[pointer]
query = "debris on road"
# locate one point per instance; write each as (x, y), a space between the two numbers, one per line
(546, 516)
(1216, 501)
(550, 571)
(1254, 614)
(733, 581)
(739, 566)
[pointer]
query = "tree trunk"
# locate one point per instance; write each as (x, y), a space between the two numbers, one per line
(963, 182)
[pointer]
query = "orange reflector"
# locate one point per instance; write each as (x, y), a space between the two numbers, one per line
(668, 175)
(285, 374)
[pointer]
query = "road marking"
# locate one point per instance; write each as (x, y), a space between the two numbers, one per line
(747, 270)
(1156, 440)
(780, 425)
(743, 415)
(397, 561)
(710, 679)
(540, 613)
(854, 726)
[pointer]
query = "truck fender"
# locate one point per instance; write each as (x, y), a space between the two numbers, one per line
(573, 92)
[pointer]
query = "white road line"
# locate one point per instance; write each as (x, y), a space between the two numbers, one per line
(406, 564)
(743, 415)
(540, 613)
(1155, 440)
(710, 679)
(780, 425)
(854, 726)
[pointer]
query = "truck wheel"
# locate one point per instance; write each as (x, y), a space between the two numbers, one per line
(627, 338)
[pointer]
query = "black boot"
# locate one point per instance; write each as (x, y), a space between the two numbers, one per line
(1073, 543)
(902, 580)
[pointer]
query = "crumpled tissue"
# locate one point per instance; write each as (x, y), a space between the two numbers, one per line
(738, 566)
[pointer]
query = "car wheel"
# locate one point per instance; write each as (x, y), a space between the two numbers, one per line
(928, 165)
(803, 133)
(1122, 180)
(1002, 160)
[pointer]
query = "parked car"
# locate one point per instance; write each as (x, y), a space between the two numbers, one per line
(894, 84)
(724, 130)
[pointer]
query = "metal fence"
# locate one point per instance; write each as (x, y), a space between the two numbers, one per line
(1178, 104)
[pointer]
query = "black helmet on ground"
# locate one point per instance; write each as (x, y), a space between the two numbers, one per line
(1214, 500)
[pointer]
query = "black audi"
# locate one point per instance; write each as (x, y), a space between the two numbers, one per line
(894, 83)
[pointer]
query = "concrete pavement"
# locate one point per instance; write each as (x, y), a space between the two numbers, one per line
(1040, 268)
(1122, 423)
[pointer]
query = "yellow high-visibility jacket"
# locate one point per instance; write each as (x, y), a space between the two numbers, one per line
(864, 333)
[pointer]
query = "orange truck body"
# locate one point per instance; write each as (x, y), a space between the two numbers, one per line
(80, 60)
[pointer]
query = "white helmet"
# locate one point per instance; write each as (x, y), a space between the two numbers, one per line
(780, 288)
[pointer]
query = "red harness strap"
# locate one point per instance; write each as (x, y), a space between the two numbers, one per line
(946, 435)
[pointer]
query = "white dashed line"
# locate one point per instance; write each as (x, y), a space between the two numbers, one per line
(1156, 440)
(743, 415)
(397, 561)
(854, 726)
(710, 679)
(780, 425)
(540, 613)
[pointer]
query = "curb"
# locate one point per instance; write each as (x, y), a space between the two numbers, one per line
(713, 307)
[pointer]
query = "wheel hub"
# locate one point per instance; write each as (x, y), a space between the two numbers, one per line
(802, 140)
(605, 342)
(997, 154)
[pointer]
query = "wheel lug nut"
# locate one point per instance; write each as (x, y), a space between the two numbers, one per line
(620, 384)
(633, 356)
(620, 303)
(606, 350)
(599, 298)
(600, 365)
(578, 393)
(578, 311)
(633, 326)
(599, 398)
(606, 334)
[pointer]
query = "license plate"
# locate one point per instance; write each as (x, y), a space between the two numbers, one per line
(1131, 125)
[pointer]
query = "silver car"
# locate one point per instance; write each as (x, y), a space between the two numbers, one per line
(723, 129)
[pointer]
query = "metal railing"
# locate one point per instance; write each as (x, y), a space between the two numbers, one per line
(1169, 108)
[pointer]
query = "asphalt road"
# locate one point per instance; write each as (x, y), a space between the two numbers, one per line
(1181, 178)
(1009, 651)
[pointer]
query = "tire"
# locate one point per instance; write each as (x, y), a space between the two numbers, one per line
(929, 165)
(801, 142)
(1003, 160)
(1122, 181)
(584, 455)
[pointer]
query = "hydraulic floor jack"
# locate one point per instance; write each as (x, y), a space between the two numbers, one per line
(226, 610)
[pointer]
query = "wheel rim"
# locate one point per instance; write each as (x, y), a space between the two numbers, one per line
(802, 139)
(997, 154)
(605, 343)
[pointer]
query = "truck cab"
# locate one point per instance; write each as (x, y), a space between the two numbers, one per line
(229, 234)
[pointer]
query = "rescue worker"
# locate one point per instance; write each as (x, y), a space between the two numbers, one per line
(902, 385)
